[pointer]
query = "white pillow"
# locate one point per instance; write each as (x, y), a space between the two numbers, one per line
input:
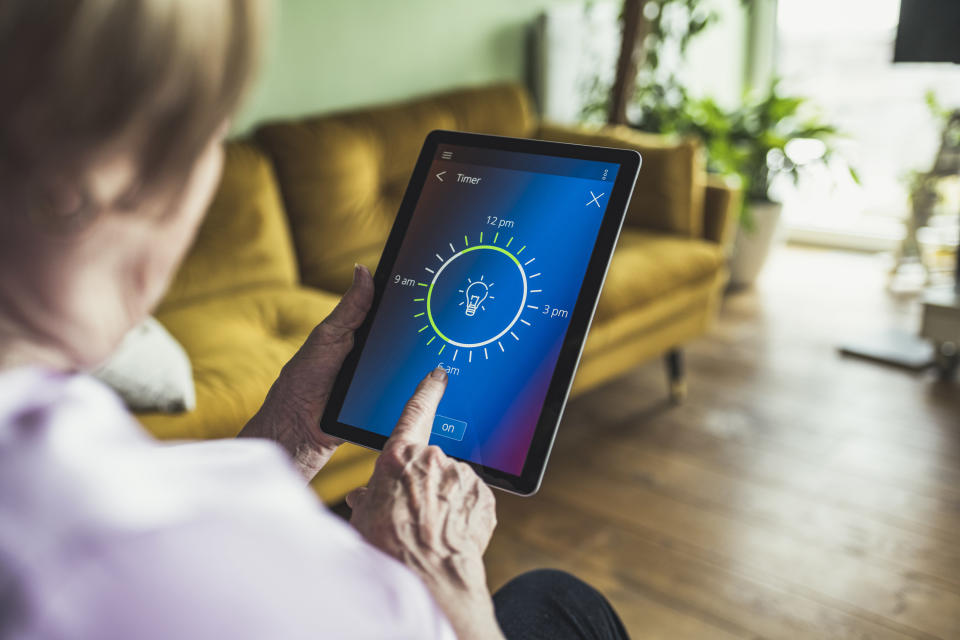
(150, 371)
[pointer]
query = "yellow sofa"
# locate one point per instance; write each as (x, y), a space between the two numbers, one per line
(301, 201)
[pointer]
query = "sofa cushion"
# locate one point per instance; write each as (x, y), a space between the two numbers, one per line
(647, 266)
(244, 240)
(503, 110)
(669, 195)
(622, 342)
(237, 345)
(343, 176)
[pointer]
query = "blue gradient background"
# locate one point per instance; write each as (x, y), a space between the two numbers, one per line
(499, 398)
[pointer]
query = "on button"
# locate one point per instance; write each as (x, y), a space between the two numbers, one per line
(449, 428)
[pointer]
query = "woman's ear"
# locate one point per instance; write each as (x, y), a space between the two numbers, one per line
(61, 208)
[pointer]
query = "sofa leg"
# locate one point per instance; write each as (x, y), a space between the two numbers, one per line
(676, 376)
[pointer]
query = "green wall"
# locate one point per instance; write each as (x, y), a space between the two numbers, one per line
(335, 54)
(325, 55)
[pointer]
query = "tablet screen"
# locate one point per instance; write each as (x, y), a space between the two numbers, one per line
(484, 285)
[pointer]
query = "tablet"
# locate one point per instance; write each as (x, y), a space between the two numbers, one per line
(492, 271)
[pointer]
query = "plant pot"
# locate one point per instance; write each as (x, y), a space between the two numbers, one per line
(751, 247)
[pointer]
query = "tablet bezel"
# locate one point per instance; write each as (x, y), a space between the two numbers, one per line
(528, 482)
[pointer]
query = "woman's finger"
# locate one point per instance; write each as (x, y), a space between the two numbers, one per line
(416, 421)
(349, 313)
(355, 497)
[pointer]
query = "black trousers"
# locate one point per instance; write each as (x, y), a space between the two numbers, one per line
(555, 605)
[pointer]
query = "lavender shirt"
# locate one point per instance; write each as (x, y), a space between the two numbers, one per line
(107, 534)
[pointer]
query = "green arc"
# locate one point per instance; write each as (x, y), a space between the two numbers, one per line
(523, 301)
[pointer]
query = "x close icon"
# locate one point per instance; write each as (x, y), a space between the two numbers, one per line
(596, 199)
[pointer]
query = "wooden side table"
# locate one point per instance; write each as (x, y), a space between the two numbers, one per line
(941, 325)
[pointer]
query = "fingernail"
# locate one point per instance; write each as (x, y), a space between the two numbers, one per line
(439, 374)
(356, 272)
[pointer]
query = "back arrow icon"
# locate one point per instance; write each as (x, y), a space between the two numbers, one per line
(440, 174)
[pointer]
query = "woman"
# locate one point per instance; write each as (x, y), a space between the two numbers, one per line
(111, 123)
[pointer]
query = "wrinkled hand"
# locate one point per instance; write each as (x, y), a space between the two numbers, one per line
(433, 514)
(291, 413)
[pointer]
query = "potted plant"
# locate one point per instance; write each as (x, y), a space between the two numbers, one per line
(753, 140)
(758, 142)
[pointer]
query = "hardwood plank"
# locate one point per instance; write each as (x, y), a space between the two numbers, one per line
(807, 423)
(878, 460)
(644, 617)
(836, 579)
(757, 461)
(687, 582)
(795, 494)
(790, 422)
(678, 476)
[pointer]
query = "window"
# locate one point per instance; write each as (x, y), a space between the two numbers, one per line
(839, 53)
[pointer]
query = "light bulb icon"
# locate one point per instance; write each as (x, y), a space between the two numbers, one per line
(475, 294)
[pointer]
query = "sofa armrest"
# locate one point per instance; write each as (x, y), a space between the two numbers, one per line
(669, 195)
(721, 209)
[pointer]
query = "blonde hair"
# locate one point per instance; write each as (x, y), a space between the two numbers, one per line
(77, 75)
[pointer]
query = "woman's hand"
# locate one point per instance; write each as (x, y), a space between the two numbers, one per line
(291, 413)
(433, 514)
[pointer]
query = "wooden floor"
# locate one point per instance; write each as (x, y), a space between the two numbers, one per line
(795, 494)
